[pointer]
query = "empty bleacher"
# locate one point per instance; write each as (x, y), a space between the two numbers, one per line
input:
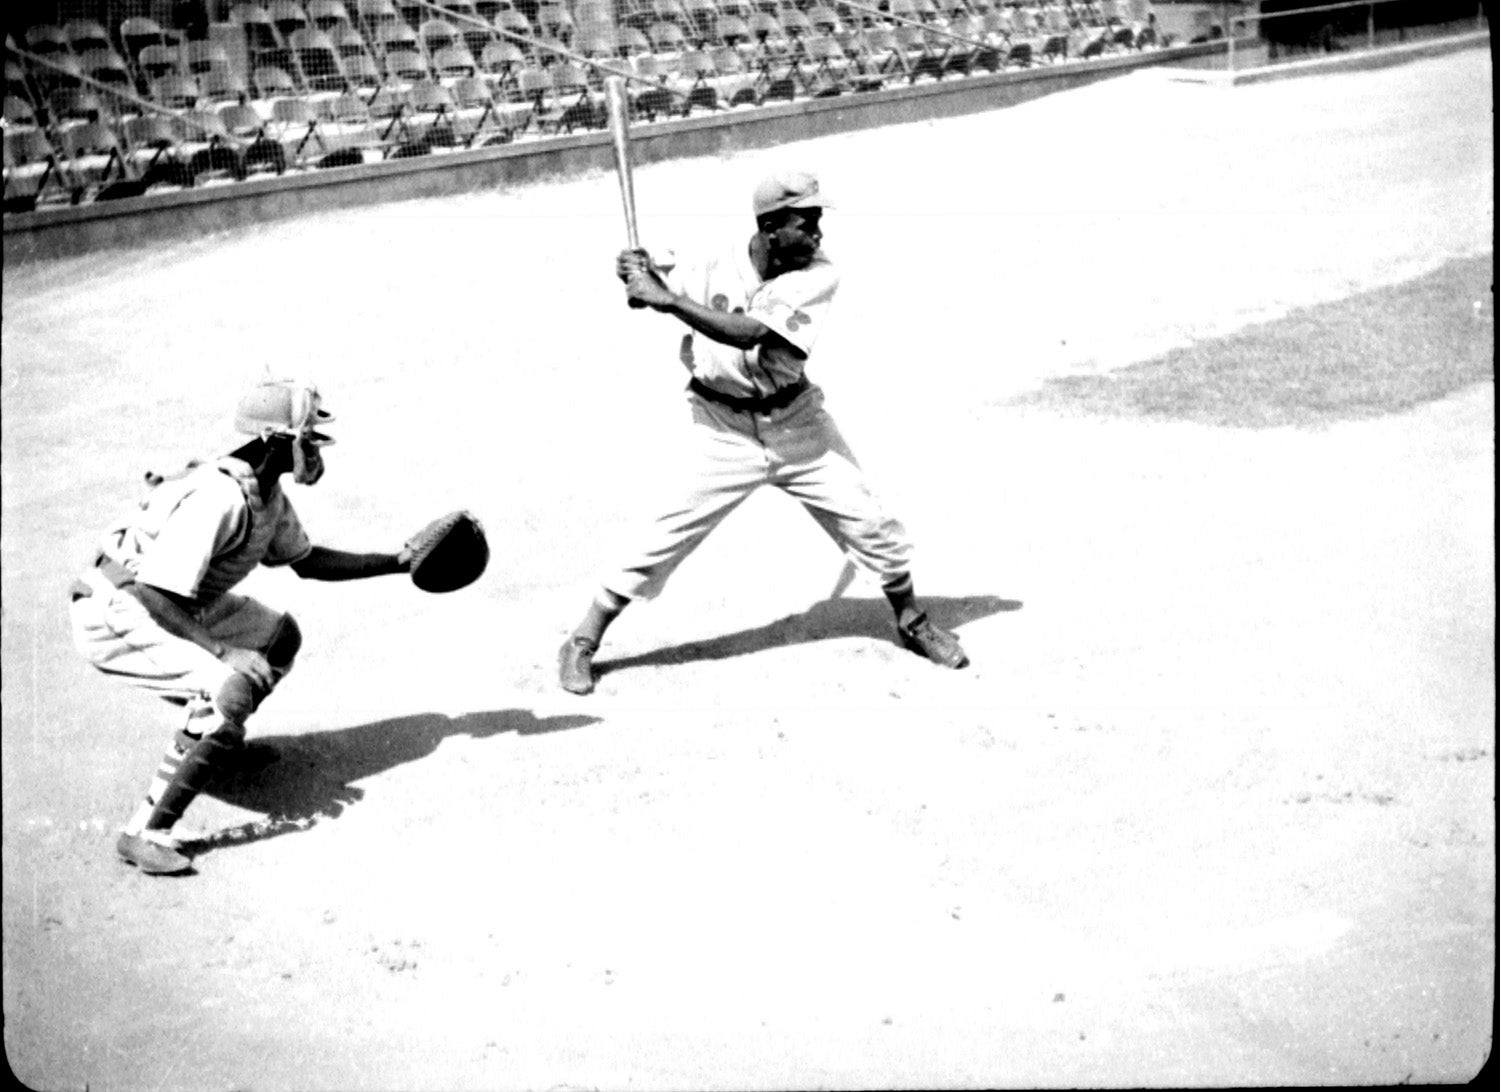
(268, 86)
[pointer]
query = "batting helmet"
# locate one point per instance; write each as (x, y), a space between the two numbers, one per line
(283, 407)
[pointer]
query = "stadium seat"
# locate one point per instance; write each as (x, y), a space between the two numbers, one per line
(666, 38)
(318, 59)
(438, 34)
(241, 120)
(201, 57)
(176, 92)
(736, 83)
(394, 38)
(68, 104)
(85, 35)
(270, 82)
(500, 61)
(149, 140)
(633, 42)
(261, 36)
(294, 124)
(374, 14)
(93, 152)
(139, 31)
(454, 63)
(327, 14)
(158, 61)
(823, 18)
(33, 169)
(223, 85)
(796, 24)
(1055, 48)
(107, 67)
(407, 66)
(287, 16)
(600, 42)
(512, 25)
(47, 40)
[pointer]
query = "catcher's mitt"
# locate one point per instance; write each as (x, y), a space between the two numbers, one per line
(449, 553)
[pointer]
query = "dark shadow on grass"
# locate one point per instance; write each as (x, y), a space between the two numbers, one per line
(829, 620)
(300, 780)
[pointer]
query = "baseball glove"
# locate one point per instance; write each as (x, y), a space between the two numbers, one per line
(449, 553)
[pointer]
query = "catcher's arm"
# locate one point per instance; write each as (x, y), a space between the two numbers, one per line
(323, 563)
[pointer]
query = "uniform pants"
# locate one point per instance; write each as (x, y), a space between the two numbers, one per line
(732, 453)
(116, 634)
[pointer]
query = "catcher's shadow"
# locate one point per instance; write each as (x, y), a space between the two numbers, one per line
(299, 781)
(830, 620)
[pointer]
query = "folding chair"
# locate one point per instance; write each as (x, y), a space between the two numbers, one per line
(652, 96)
(737, 83)
(32, 165)
(150, 140)
(93, 153)
(698, 18)
(374, 14)
(667, 38)
(294, 125)
(107, 67)
(223, 86)
(1055, 48)
(47, 40)
(512, 25)
(475, 109)
(796, 24)
(270, 82)
(553, 20)
(176, 92)
(700, 72)
(318, 59)
(829, 66)
(500, 62)
(287, 16)
(438, 34)
(1020, 55)
(407, 67)
(86, 35)
(262, 39)
(454, 63)
(158, 61)
(633, 42)
(823, 18)
(139, 31)
(327, 14)
(75, 104)
(598, 42)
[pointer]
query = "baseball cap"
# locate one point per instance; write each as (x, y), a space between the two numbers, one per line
(788, 190)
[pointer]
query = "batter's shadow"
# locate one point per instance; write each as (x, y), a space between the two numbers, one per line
(830, 620)
(300, 781)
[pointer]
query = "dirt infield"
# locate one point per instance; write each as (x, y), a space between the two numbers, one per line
(1214, 804)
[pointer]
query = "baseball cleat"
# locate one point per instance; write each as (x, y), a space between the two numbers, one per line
(938, 645)
(575, 665)
(153, 852)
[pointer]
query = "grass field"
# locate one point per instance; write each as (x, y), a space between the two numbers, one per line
(1376, 353)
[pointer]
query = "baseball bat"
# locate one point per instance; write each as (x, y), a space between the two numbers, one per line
(617, 110)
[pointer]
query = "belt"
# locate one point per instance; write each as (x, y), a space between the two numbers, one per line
(779, 399)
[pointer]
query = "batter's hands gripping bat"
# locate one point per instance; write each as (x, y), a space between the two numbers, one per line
(617, 110)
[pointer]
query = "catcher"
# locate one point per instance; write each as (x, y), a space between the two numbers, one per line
(155, 610)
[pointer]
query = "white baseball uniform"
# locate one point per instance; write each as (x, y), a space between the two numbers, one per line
(197, 536)
(756, 420)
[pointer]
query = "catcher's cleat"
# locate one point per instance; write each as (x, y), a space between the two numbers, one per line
(575, 665)
(153, 852)
(938, 645)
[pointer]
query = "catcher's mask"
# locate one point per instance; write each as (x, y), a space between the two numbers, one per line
(289, 410)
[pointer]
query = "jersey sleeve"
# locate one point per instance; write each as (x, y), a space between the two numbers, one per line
(796, 305)
(289, 543)
(204, 522)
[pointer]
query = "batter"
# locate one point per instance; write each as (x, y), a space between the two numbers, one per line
(753, 317)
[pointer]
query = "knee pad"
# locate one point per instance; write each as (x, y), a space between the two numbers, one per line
(236, 700)
(285, 643)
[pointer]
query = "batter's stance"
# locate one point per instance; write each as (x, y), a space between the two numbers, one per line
(754, 315)
(155, 610)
